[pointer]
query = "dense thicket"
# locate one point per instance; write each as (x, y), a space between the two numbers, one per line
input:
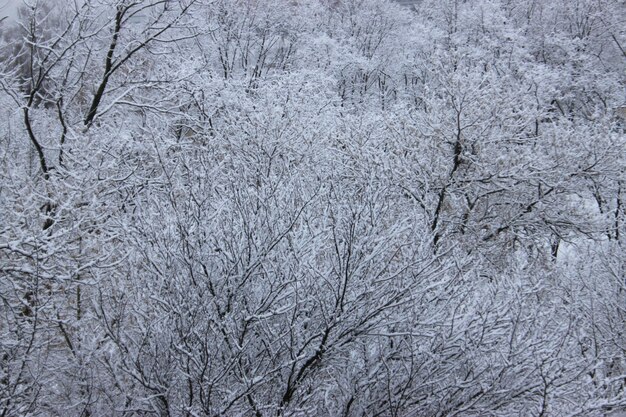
(325, 207)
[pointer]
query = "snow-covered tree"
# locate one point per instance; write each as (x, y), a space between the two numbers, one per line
(333, 207)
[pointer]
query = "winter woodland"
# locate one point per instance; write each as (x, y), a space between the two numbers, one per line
(313, 207)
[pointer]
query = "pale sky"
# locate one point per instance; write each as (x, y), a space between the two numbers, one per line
(8, 8)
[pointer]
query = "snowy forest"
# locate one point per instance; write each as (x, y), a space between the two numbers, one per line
(313, 208)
